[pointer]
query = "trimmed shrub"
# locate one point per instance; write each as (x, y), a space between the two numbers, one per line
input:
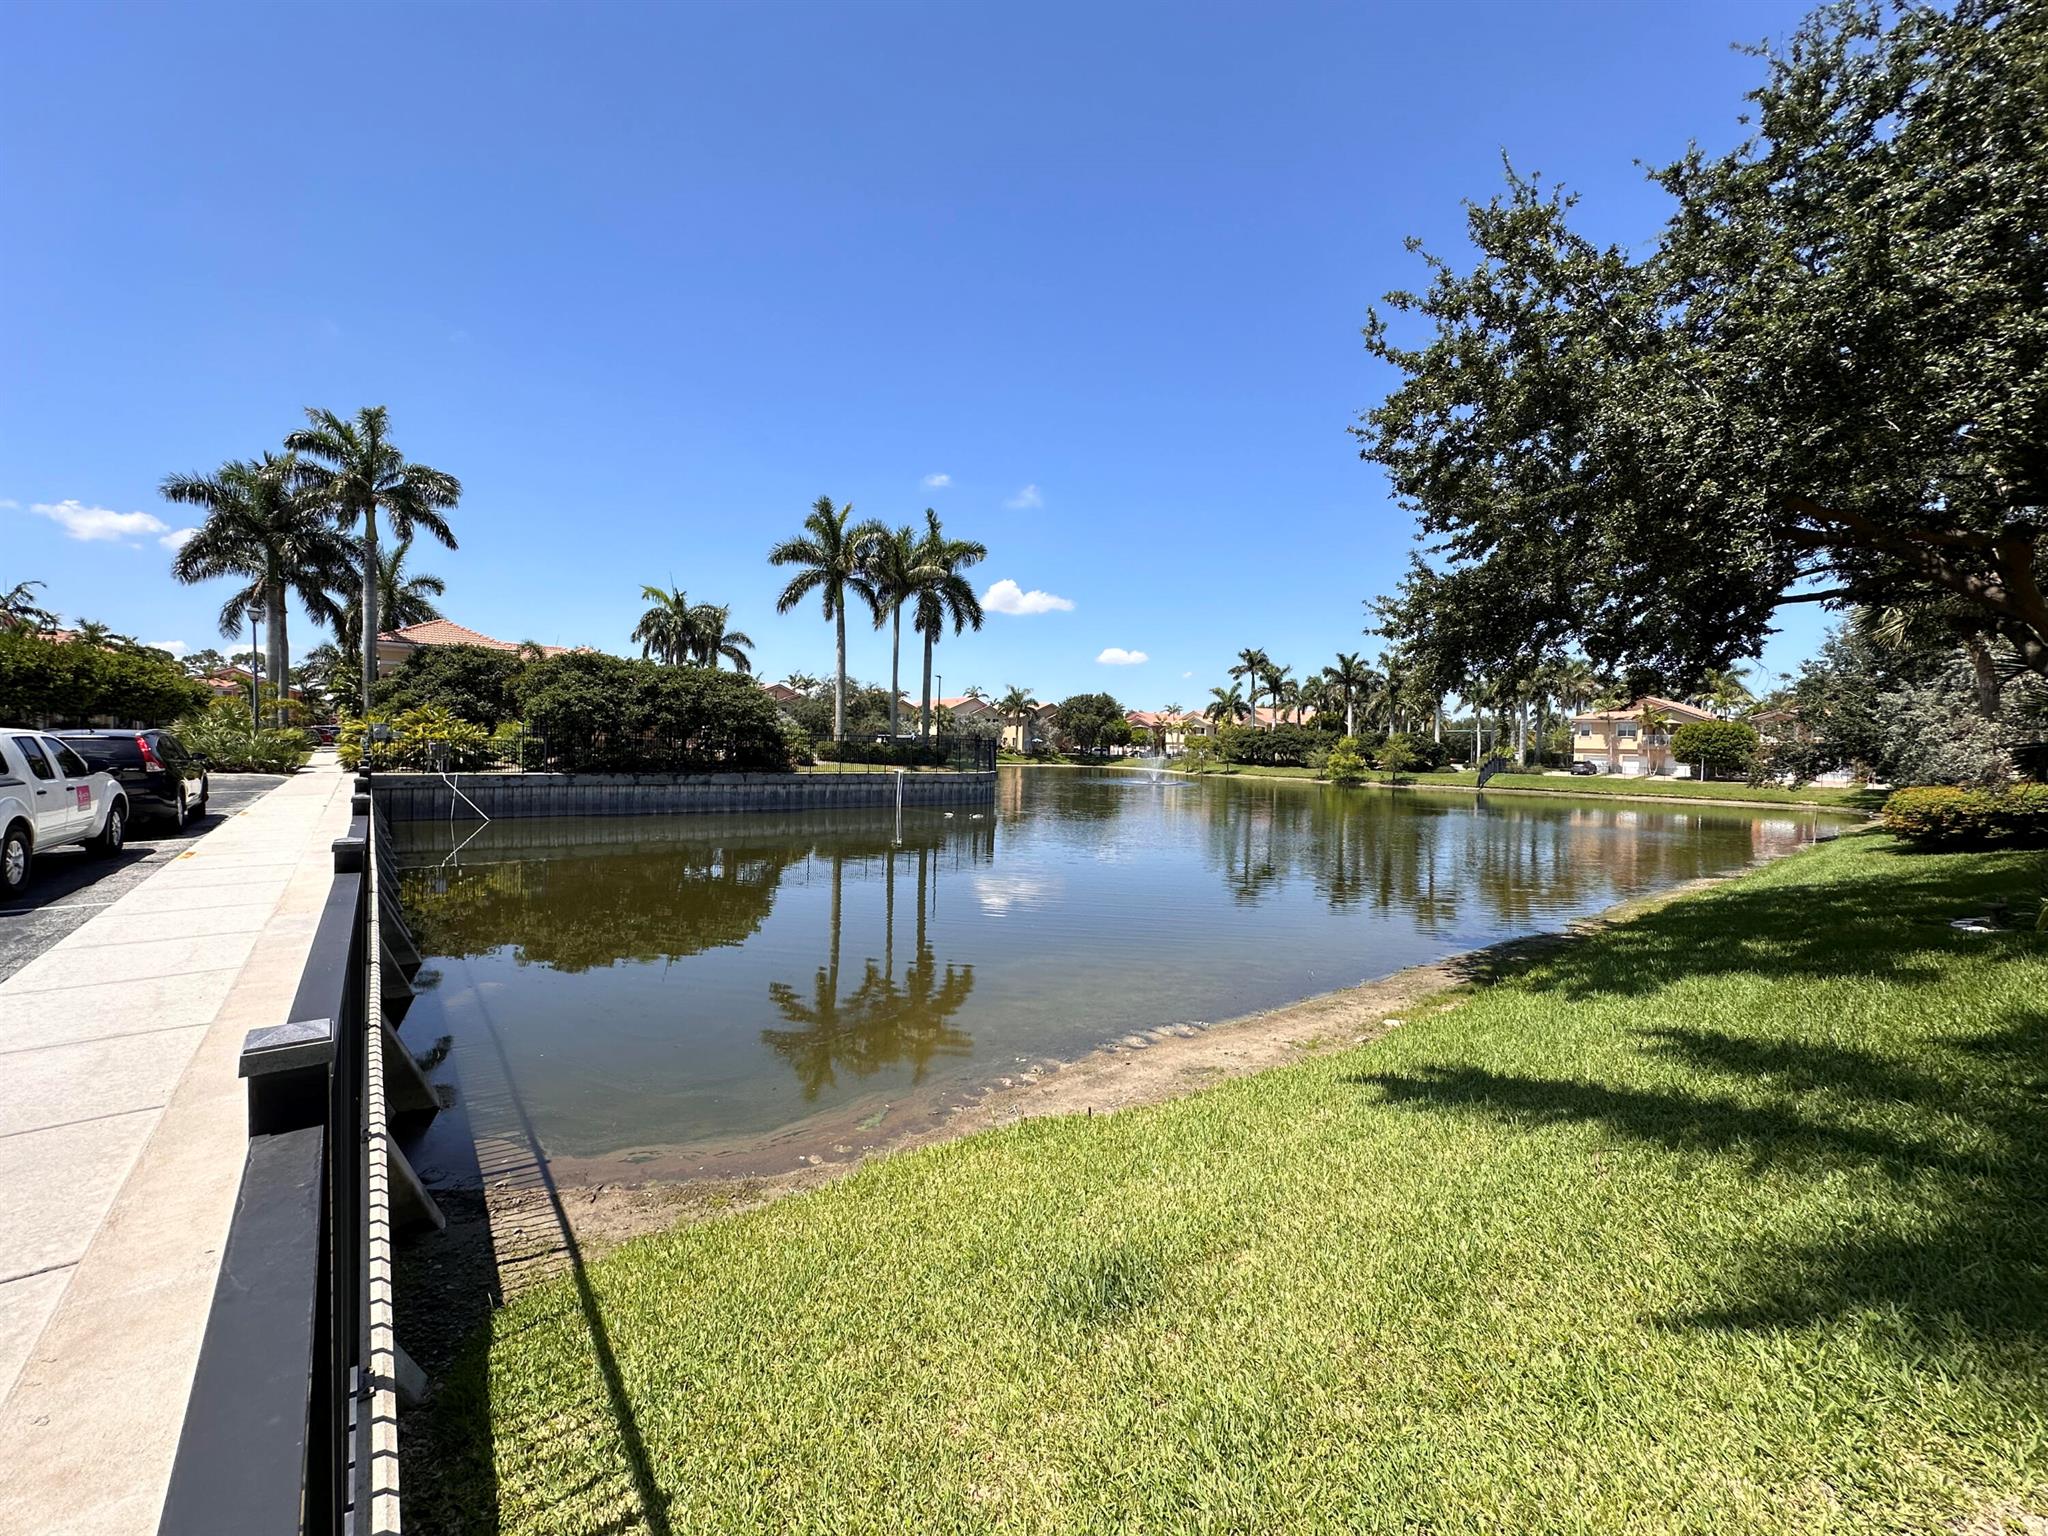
(471, 682)
(1281, 746)
(605, 714)
(1938, 816)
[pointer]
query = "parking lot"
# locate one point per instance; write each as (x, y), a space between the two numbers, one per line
(68, 885)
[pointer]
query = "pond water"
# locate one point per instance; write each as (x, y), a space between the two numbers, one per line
(733, 994)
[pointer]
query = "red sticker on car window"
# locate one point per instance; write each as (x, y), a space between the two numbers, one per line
(84, 797)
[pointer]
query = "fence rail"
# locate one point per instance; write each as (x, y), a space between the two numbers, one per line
(291, 1421)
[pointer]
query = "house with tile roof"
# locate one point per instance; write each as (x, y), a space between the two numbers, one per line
(395, 645)
(1632, 740)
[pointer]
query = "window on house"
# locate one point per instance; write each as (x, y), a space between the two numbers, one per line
(1626, 732)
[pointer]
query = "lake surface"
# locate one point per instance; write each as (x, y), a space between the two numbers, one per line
(735, 994)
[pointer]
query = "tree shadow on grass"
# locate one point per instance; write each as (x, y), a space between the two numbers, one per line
(598, 1416)
(1805, 931)
(1963, 1265)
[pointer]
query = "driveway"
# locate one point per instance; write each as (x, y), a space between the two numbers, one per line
(68, 885)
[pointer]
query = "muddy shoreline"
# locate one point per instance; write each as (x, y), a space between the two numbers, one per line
(525, 1228)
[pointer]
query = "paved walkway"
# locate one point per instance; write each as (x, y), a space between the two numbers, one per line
(122, 1133)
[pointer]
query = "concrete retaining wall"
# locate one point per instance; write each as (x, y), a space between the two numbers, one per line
(504, 796)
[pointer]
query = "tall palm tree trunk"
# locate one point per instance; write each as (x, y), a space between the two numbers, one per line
(895, 667)
(370, 573)
(255, 677)
(280, 655)
(839, 675)
(925, 721)
(1350, 715)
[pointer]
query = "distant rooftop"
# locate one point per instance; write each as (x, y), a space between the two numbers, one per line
(448, 632)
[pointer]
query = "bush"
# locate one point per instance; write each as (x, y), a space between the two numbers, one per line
(1282, 746)
(605, 714)
(47, 682)
(884, 754)
(1942, 816)
(1346, 764)
(1399, 756)
(421, 739)
(471, 682)
(222, 734)
(1717, 747)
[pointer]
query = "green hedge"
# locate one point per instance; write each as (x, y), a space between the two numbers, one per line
(1936, 816)
(605, 714)
(71, 683)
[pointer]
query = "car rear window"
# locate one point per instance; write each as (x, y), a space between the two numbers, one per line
(107, 751)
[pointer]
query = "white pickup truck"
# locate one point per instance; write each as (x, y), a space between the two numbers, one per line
(49, 797)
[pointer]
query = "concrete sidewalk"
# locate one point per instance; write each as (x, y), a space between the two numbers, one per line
(122, 1134)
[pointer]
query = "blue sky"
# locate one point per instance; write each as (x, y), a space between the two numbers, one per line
(650, 279)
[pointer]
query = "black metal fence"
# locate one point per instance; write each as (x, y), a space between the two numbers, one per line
(279, 1427)
(963, 754)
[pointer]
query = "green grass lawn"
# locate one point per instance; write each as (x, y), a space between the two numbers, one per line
(1850, 797)
(1726, 1219)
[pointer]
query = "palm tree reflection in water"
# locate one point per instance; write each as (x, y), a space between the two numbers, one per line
(882, 1022)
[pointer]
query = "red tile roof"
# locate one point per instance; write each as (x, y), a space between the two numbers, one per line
(448, 632)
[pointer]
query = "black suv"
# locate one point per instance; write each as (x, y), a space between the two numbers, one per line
(159, 775)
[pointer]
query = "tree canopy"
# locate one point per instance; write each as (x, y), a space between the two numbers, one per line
(1825, 381)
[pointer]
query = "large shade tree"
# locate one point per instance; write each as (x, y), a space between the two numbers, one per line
(1821, 382)
(831, 556)
(355, 471)
(265, 532)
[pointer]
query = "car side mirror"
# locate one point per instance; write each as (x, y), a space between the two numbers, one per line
(202, 759)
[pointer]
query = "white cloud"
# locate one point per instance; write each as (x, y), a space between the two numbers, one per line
(1028, 497)
(177, 538)
(1117, 656)
(103, 525)
(1007, 597)
(938, 482)
(1187, 674)
(175, 647)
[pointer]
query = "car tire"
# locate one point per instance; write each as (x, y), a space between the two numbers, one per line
(16, 857)
(205, 792)
(183, 813)
(114, 835)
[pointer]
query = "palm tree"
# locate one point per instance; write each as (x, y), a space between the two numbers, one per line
(1351, 679)
(359, 470)
(668, 629)
(1252, 665)
(1721, 691)
(945, 595)
(832, 553)
(92, 632)
(714, 640)
(1283, 691)
(262, 527)
(897, 569)
(18, 610)
(1017, 704)
(802, 682)
(401, 599)
(1227, 705)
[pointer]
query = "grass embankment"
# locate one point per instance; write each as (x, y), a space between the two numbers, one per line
(1726, 1218)
(1847, 797)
